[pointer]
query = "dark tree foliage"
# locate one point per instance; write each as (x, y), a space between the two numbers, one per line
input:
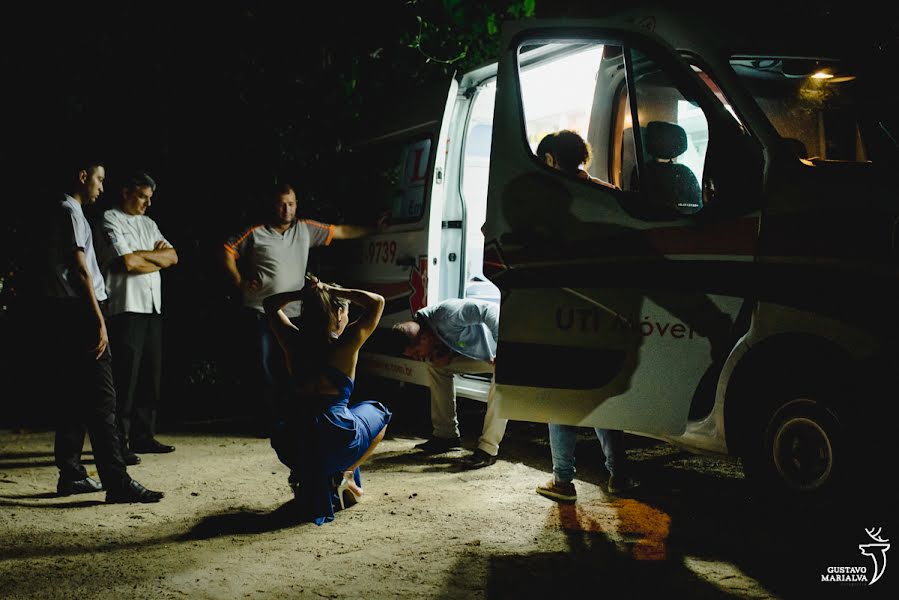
(216, 102)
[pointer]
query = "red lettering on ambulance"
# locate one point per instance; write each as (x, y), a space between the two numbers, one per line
(416, 176)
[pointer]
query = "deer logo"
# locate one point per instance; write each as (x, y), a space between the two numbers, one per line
(877, 552)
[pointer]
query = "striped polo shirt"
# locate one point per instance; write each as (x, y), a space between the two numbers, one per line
(277, 260)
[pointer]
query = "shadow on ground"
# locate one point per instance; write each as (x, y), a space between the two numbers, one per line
(245, 522)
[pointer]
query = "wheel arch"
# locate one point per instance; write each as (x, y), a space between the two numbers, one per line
(776, 366)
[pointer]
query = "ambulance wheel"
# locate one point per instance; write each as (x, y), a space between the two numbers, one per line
(802, 451)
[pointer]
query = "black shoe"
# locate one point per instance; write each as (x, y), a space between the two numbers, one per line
(131, 458)
(65, 487)
(132, 492)
(437, 445)
(478, 460)
(151, 446)
(294, 482)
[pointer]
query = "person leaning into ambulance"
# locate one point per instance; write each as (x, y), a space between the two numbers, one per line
(455, 336)
(568, 152)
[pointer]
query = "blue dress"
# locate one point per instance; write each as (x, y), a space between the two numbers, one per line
(320, 436)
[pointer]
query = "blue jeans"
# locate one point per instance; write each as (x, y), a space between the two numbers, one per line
(562, 440)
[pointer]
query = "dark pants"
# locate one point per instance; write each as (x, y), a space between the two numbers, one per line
(287, 442)
(85, 398)
(136, 340)
(270, 369)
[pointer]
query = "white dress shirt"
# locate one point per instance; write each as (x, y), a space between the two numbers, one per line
(126, 234)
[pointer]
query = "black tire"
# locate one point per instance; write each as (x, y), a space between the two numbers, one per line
(802, 451)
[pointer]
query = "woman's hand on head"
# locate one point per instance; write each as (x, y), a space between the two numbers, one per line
(313, 282)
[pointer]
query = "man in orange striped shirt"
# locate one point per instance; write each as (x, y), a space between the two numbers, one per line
(271, 258)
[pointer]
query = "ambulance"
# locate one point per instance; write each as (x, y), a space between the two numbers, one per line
(727, 288)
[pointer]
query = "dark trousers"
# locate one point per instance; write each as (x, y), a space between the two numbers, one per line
(270, 369)
(84, 396)
(136, 341)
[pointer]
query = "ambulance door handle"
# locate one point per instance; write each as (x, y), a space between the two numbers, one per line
(405, 261)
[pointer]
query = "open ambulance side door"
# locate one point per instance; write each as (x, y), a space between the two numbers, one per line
(619, 296)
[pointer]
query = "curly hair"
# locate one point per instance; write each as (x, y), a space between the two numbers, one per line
(546, 146)
(570, 151)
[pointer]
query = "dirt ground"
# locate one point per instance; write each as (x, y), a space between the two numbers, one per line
(426, 528)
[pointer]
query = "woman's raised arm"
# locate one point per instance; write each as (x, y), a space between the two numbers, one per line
(360, 329)
(281, 325)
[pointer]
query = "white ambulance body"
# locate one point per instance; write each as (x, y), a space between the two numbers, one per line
(725, 291)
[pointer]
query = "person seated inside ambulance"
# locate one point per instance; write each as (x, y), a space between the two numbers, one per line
(567, 151)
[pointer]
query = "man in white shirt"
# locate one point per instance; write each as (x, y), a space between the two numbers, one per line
(135, 253)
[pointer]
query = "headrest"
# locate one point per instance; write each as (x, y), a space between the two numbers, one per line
(665, 140)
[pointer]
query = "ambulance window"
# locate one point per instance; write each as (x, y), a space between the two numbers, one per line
(674, 136)
(409, 196)
(393, 174)
(625, 173)
(558, 82)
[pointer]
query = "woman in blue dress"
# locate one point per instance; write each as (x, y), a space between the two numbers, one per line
(316, 433)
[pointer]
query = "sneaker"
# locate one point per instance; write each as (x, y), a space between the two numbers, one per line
(557, 490)
(437, 445)
(621, 483)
